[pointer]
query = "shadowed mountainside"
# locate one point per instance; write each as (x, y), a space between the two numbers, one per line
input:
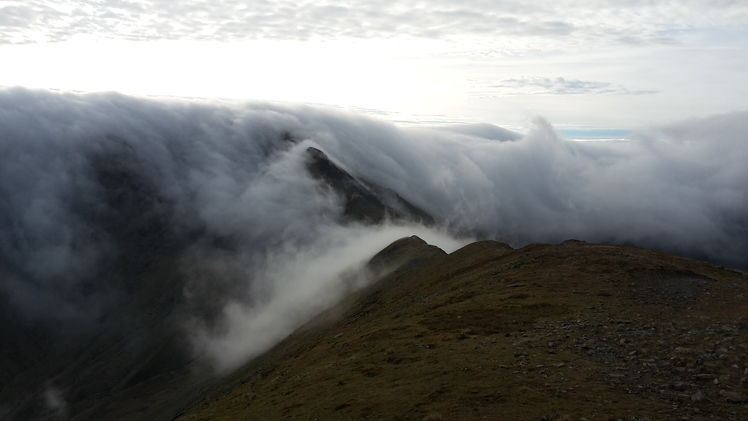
(126, 355)
(364, 201)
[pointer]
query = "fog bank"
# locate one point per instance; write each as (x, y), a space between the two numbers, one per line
(224, 187)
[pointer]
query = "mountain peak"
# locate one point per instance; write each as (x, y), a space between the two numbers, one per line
(406, 251)
(363, 200)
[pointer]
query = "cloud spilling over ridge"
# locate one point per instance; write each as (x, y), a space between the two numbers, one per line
(225, 188)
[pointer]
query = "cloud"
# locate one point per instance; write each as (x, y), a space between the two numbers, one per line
(634, 22)
(561, 86)
(483, 131)
(221, 189)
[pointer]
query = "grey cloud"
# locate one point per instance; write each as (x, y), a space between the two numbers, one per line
(639, 40)
(15, 16)
(74, 168)
(561, 86)
(550, 28)
(483, 131)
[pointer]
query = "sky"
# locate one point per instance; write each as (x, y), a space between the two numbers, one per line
(597, 64)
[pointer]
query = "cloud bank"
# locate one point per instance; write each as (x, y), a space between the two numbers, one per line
(222, 188)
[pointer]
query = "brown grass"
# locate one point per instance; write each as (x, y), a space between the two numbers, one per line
(490, 334)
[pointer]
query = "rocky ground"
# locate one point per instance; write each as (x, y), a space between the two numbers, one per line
(701, 370)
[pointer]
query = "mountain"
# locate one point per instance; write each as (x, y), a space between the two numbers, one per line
(546, 332)
(180, 259)
(364, 201)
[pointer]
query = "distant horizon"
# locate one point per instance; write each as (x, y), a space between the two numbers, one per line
(578, 131)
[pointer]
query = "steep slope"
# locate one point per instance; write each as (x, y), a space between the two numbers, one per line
(129, 304)
(546, 332)
(363, 201)
(126, 355)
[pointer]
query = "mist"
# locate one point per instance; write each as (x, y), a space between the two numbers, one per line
(54, 401)
(298, 283)
(223, 190)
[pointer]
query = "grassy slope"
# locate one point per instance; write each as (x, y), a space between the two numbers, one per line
(487, 332)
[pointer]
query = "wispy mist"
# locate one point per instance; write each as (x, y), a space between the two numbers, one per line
(295, 284)
(55, 402)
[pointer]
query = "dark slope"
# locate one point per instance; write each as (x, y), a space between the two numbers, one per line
(364, 201)
(571, 331)
(126, 333)
(122, 354)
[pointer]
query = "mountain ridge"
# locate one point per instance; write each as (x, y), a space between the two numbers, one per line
(560, 332)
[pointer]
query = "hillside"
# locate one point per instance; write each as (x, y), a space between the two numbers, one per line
(546, 332)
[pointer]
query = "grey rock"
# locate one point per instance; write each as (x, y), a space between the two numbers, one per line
(698, 396)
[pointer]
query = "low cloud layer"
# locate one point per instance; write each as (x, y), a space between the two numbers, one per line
(225, 187)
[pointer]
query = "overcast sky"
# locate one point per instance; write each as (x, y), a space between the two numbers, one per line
(596, 63)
